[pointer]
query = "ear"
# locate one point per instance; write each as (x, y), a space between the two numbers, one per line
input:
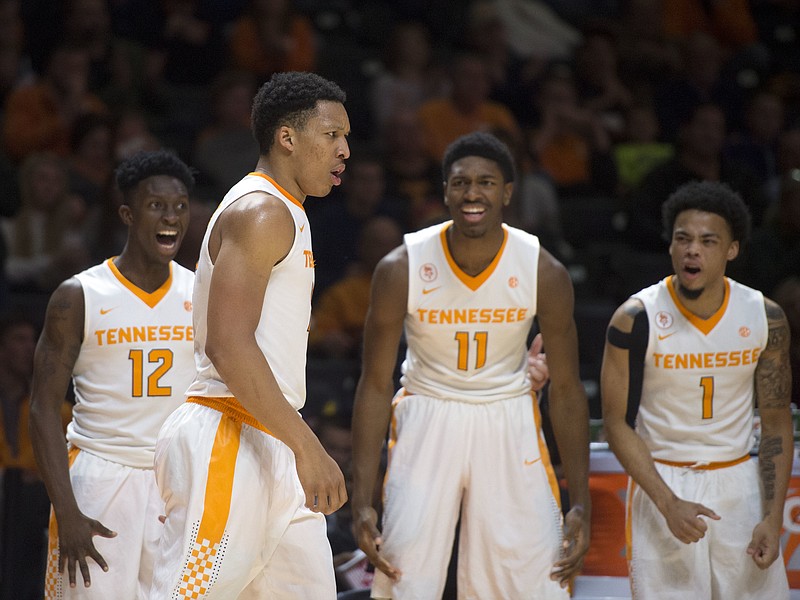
(126, 214)
(733, 250)
(285, 137)
(507, 192)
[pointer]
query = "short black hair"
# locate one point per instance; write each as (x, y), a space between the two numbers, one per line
(289, 98)
(146, 164)
(708, 196)
(480, 144)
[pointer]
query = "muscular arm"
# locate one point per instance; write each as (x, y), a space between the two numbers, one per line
(372, 407)
(569, 408)
(630, 450)
(248, 240)
(56, 353)
(773, 386)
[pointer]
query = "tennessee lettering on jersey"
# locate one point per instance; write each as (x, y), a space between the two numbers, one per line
(706, 360)
(148, 333)
(450, 316)
(309, 256)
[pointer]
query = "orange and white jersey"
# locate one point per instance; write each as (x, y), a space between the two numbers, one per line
(467, 336)
(134, 365)
(282, 332)
(698, 393)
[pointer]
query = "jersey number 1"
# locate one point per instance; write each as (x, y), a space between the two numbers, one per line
(159, 356)
(481, 339)
(707, 383)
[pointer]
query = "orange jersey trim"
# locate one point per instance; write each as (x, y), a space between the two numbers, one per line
(280, 189)
(471, 282)
(230, 407)
(700, 466)
(704, 325)
(149, 298)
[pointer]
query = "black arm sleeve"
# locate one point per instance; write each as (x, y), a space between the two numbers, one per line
(635, 343)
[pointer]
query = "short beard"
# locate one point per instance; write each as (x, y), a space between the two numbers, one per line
(690, 294)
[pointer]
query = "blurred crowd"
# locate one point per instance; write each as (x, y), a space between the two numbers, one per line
(607, 105)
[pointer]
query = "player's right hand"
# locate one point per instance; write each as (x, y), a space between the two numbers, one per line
(322, 481)
(683, 519)
(75, 544)
(365, 525)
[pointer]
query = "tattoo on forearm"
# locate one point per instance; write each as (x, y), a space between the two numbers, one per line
(773, 375)
(770, 447)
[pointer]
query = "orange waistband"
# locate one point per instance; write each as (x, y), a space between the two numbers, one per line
(229, 406)
(705, 466)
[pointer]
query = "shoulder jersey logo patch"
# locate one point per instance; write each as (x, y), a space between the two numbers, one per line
(664, 320)
(513, 282)
(744, 331)
(428, 272)
(105, 311)
(187, 306)
(302, 227)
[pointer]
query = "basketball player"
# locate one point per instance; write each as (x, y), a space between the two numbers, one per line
(465, 428)
(122, 331)
(238, 447)
(684, 361)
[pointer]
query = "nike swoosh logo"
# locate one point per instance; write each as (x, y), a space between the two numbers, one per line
(302, 227)
(665, 336)
(428, 291)
(105, 311)
(528, 463)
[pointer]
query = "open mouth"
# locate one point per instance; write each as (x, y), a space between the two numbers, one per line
(167, 239)
(336, 175)
(473, 212)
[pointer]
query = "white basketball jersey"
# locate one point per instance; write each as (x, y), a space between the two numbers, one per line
(698, 393)
(467, 336)
(282, 332)
(134, 365)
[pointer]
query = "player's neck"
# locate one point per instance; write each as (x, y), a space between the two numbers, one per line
(474, 254)
(145, 274)
(706, 303)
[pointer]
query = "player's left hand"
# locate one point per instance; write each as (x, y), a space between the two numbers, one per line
(574, 547)
(764, 545)
(537, 364)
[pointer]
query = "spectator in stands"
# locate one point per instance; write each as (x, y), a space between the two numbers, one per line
(340, 312)
(756, 143)
(787, 158)
(730, 23)
(225, 148)
(91, 159)
(466, 109)
(411, 176)
(774, 252)
(639, 150)
(409, 75)
(15, 65)
(39, 116)
(272, 36)
(598, 82)
(45, 239)
(699, 80)
(338, 221)
(698, 157)
(88, 23)
(569, 141)
(25, 505)
(132, 134)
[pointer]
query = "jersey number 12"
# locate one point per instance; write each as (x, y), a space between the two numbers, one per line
(162, 358)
